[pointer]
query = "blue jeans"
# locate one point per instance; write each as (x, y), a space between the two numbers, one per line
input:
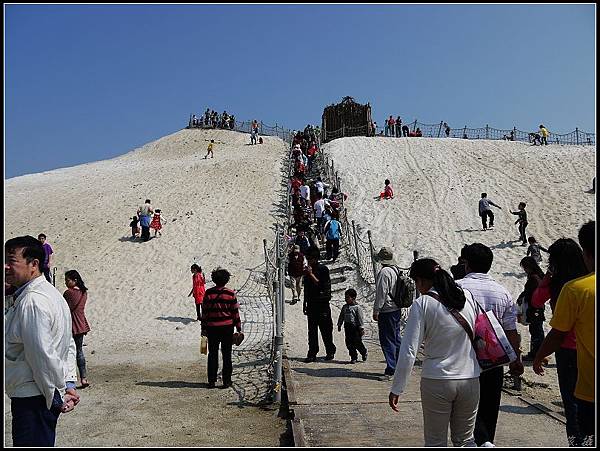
(389, 338)
(80, 355)
(32, 423)
(566, 368)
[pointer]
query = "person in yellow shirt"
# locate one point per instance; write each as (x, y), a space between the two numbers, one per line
(576, 309)
(544, 132)
(210, 149)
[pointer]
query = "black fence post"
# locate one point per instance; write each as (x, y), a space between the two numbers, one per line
(487, 131)
(415, 126)
(440, 129)
(577, 134)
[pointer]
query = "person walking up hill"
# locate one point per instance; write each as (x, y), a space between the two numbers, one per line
(485, 211)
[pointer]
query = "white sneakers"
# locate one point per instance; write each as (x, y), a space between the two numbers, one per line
(488, 445)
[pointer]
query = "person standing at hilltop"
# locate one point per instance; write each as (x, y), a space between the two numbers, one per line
(398, 127)
(144, 212)
(392, 124)
(447, 130)
(485, 211)
(544, 133)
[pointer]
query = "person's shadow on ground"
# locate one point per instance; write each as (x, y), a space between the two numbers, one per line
(505, 244)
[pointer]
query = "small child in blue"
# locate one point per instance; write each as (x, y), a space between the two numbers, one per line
(352, 318)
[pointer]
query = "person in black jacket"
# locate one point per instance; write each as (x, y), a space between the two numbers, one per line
(317, 294)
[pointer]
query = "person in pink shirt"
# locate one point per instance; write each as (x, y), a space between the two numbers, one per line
(565, 263)
(198, 288)
(388, 192)
(392, 125)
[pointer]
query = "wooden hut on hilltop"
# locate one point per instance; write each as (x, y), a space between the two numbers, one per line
(347, 118)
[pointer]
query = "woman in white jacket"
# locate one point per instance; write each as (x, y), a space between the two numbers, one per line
(450, 371)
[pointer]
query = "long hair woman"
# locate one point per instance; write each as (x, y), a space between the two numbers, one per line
(565, 263)
(76, 297)
(534, 316)
(450, 371)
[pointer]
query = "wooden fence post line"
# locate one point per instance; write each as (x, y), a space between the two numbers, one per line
(356, 245)
(372, 252)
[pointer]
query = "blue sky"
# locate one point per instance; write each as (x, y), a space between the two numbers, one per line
(89, 82)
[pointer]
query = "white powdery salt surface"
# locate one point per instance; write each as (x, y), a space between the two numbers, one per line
(438, 183)
(217, 213)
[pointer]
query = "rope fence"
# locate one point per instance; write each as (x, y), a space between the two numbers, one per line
(246, 127)
(576, 137)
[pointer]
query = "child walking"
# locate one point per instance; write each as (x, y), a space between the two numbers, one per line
(534, 250)
(198, 288)
(354, 326)
(135, 230)
(210, 149)
(522, 221)
(157, 221)
(388, 192)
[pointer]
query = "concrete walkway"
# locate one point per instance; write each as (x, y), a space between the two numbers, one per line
(339, 404)
(336, 403)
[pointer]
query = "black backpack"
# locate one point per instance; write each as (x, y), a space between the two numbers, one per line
(404, 291)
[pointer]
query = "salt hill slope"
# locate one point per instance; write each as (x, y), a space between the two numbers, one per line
(217, 213)
(437, 185)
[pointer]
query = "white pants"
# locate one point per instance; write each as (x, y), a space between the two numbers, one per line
(449, 401)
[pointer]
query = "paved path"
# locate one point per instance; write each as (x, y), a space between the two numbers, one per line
(336, 403)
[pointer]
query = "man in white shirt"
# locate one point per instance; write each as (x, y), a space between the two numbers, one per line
(320, 185)
(319, 208)
(305, 193)
(491, 296)
(39, 354)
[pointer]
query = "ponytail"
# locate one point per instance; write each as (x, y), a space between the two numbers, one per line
(74, 275)
(450, 293)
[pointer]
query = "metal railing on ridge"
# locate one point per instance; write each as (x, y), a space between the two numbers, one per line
(576, 137)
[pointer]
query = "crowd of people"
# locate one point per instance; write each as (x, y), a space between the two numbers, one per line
(454, 390)
(212, 119)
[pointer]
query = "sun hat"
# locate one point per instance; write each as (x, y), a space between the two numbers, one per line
(385, 257)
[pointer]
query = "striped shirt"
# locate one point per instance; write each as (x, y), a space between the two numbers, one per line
(491, 296)
(220, 308)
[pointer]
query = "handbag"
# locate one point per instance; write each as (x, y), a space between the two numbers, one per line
(238, 337)
(203, 345)
(491, 345)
